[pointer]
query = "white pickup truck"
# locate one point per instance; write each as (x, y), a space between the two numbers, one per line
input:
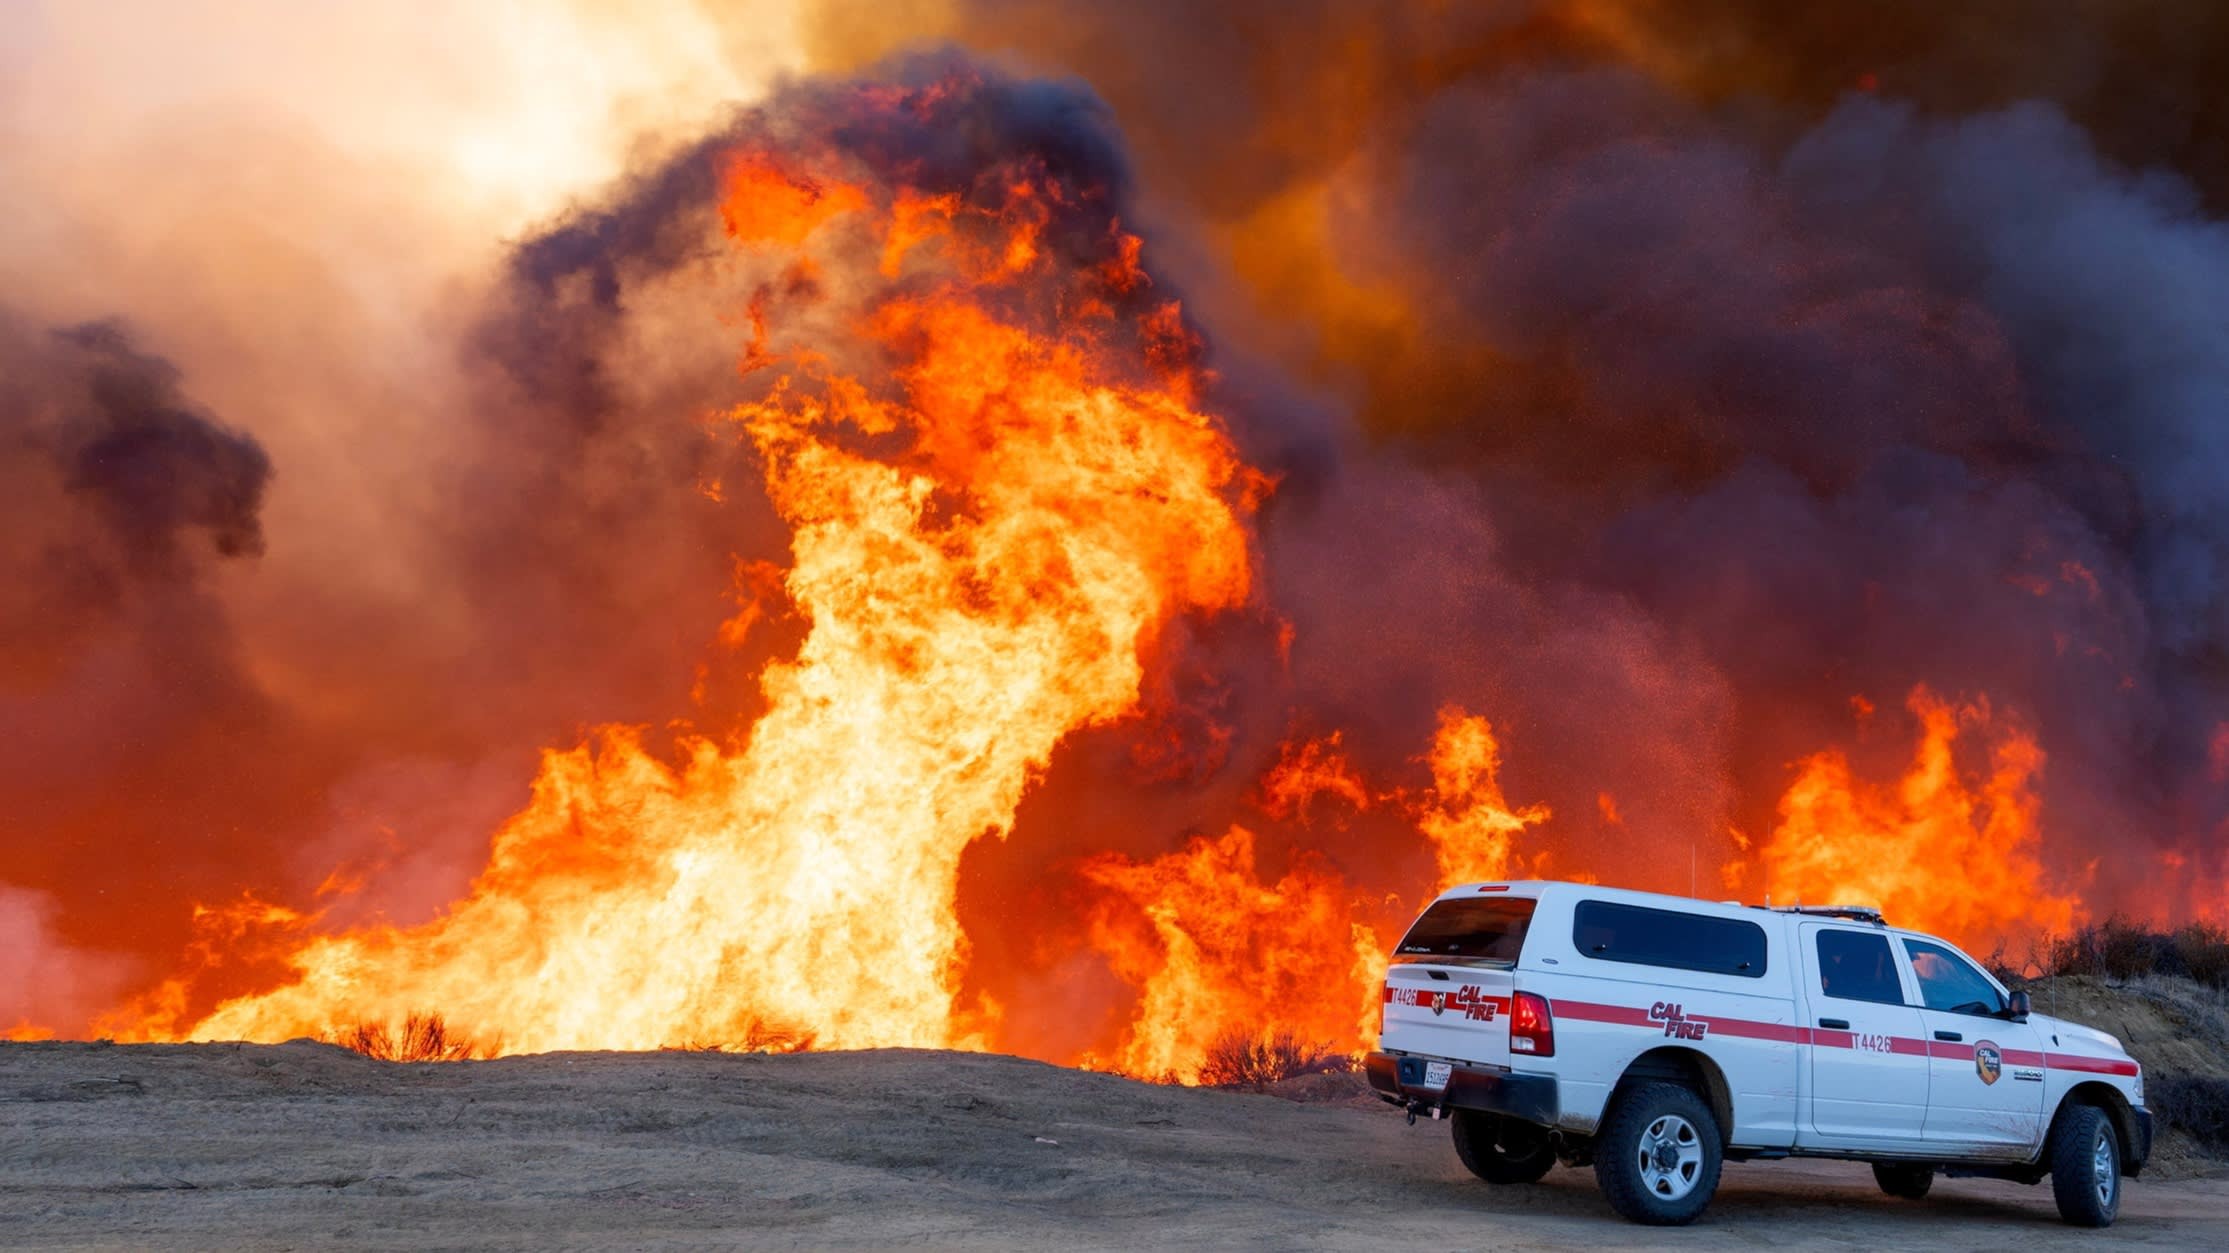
(1658, 1036)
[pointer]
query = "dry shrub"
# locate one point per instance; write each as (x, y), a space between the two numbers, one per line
(2204, 948)
(772, 1037)
(2196, 1104)
(2120, 949)
(2012, 974)
(421, 1038)
(1243, 1059)
(756, 1036)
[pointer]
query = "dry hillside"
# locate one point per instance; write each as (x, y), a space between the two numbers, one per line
(2179, 1030)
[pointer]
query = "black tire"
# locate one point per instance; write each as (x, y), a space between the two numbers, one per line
(2086, 1166)
(1669, 1120)
(1904, 1179)
(1502, 1150)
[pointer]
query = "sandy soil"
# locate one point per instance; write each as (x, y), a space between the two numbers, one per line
(304, 1145)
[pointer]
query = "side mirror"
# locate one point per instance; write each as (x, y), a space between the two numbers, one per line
(2018, 1010)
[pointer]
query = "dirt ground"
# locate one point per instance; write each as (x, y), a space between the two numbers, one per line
(305, 1145)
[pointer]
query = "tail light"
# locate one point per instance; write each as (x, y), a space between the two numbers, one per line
(1532, 1029)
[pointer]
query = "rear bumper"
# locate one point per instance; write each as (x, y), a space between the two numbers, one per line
(1527, 1098)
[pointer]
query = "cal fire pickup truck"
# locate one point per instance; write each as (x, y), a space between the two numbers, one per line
(1657, 1037)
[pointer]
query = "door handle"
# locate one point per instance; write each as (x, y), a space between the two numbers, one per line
(1951, 1036)
(1835, 1024)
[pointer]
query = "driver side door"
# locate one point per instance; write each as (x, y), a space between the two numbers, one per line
(1985, 1071)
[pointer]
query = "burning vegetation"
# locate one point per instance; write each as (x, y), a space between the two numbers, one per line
(1257, 1059)
(983, 656)
(999, 495)
(418, 1038)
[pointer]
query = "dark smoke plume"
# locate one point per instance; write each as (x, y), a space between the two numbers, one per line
(120, 487)
(119, 679)
(1838, 350)
(1908, 401)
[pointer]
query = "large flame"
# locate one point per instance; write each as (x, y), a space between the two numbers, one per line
(1471, 825)
(984, 540)
(1944, 850)
(1215, 950)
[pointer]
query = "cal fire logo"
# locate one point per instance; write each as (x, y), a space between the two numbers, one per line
(1677, 1025)
(1988, 1062)
(1466, 1000)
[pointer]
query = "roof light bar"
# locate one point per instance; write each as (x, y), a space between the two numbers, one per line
(1856, 913)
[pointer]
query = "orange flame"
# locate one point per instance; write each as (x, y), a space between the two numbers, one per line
(971, 600)
(1941, 851)
(1472, 828)
(1309, 769)
(770, 204)
(1213, 949)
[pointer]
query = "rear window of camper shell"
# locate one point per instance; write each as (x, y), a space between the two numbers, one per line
(1473, 929)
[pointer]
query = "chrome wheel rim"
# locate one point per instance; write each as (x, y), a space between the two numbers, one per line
(2103, 1166)
(1671, 1158)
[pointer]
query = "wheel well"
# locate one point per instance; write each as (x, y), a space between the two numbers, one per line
(1690, 1068)
(2106, 1097)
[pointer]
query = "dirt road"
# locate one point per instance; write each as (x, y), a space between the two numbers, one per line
(305, 1145)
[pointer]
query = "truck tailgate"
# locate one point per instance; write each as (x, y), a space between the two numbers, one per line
(1448, 1011)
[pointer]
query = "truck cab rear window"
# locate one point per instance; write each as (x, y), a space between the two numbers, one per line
(1469, 928)
(1856, 966)
(1669, 938)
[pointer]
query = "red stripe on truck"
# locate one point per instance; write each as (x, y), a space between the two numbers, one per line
(1907, 1046)
(1781, 1032)
(1587, 1011)
(1634, 1016)
(2091, 1065)
(1464, 1001)
(2010, 1057)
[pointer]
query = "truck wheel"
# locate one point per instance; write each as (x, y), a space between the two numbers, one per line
(2086, 1167)
(1899, 1179)
(1502, 1150)
(1658, 1155)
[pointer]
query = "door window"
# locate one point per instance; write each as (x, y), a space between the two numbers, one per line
(1857, 966)
(1950, 983)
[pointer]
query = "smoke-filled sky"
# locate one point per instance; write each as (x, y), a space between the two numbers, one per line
(274, 607)
(1681, 385)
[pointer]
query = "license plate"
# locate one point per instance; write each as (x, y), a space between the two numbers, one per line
(1435, 1074)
